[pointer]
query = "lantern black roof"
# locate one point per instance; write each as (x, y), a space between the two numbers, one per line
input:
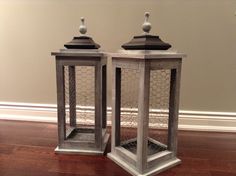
(82, 41)
(146, 41)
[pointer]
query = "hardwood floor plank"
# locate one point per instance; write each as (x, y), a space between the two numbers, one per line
(218, 173)
(27, 149)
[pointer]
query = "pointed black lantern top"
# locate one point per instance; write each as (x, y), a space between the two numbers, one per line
(82, 41)
(146, 41)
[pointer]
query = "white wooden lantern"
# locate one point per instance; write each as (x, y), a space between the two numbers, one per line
(81, 96)
(145, 105)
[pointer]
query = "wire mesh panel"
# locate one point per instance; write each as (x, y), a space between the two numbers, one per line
(67, 101)
(158, 110)
(85, 95)
(82, 97)
(129, 105)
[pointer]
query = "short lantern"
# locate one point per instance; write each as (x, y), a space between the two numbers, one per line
(145, 104)
(81, 96)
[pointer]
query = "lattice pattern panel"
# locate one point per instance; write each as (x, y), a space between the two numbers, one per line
(159, 108)
(129, 105)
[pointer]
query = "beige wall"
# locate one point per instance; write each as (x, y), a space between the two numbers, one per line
(204, 29)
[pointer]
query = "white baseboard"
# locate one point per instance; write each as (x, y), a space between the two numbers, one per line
(188, 120)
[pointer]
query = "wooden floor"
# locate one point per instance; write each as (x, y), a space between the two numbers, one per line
(27, 149)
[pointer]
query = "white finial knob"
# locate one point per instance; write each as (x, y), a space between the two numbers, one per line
(146, 25)
(82, 28)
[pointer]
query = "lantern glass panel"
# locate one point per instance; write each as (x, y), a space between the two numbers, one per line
(129, 108)
(158, 111)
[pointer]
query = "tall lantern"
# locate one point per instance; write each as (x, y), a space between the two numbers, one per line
(145, 104)
(81, 96)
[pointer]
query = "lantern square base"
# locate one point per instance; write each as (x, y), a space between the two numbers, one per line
(82, 147)
(160, 167)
